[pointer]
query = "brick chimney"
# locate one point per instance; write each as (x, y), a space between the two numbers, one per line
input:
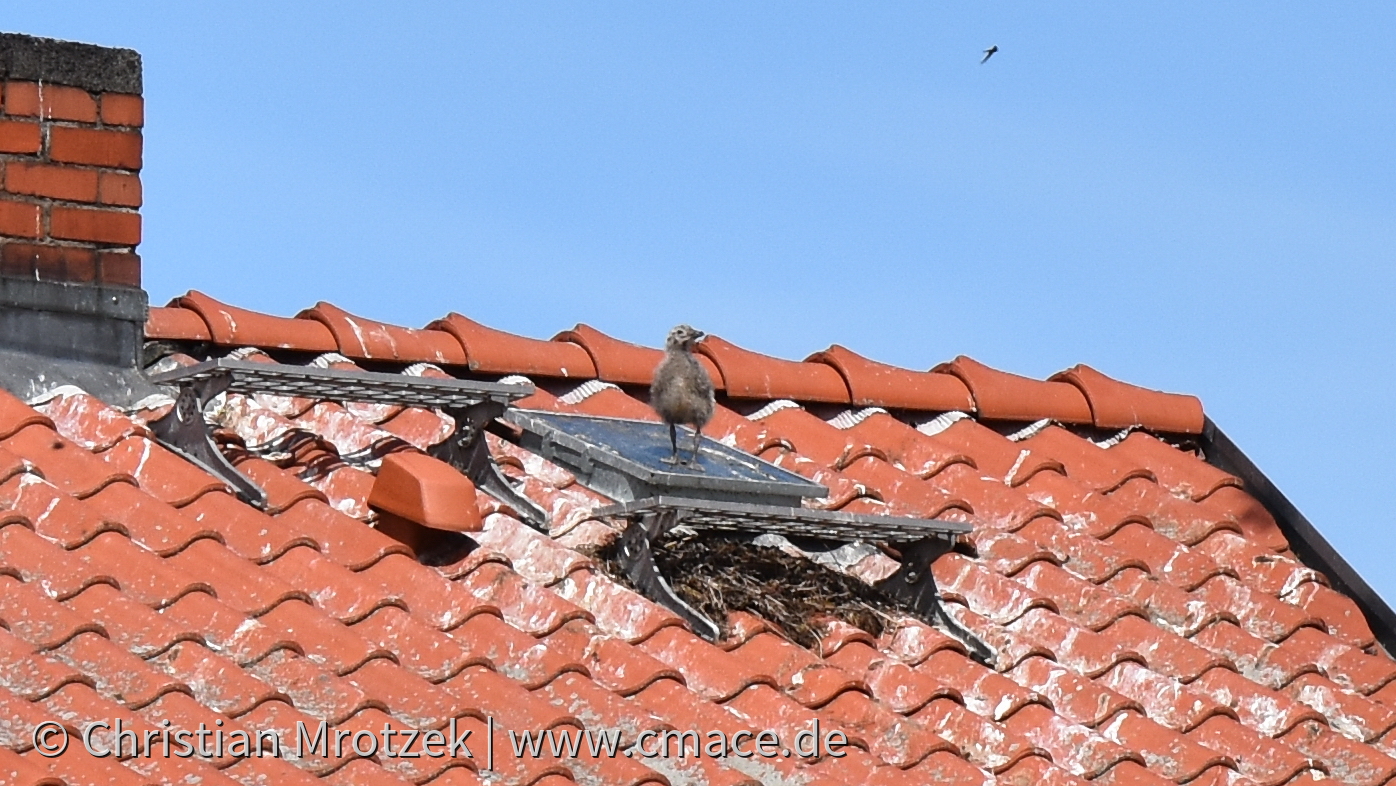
(70, 147)
(71, 307)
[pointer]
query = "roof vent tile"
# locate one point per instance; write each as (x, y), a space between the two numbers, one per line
(426, 491)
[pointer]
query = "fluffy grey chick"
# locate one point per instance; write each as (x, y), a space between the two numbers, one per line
(681, 392)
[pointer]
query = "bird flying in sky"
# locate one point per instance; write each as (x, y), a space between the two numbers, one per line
(988, 53)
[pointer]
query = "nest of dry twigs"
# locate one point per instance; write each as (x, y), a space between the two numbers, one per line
(719, 574)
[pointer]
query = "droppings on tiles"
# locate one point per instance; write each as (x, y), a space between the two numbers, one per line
(718, 575)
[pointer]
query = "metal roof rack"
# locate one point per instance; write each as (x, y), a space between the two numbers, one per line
(726, 490)
(473, 405)
(245, 376)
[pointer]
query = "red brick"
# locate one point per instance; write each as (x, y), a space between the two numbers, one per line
(60, 102)
(19, 219)
(19, 137)
(97, 226)
(22, 98)
(79, 265)
(119, 109)
(15, 261)
(120, 149)
(49, 263)
(121, 268)
(119, 188)
(58, 182)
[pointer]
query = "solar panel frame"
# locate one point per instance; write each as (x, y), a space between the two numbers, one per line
(622, 458)
(791, 522)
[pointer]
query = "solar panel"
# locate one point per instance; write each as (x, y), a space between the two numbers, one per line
(726, 490)
(625, 460)
(337, 385)
(791, 522)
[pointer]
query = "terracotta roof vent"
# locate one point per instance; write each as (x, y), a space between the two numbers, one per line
(425, 503)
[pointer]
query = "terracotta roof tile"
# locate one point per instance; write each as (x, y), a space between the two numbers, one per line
(1164, 651)
(880, 385)
(749, 375)
(1149, 621)
(358, 337)
(622, 362)
(159, 471)
(234, 326)
(493, 351)
(141, 630)
(1073, 696)
(175, 322)
(999, 395)
(1116, 404)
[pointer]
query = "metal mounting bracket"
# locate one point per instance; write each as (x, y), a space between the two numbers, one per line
(468, 451)
(915, 586)
(637, 556)
(184, 430)
(472, 404)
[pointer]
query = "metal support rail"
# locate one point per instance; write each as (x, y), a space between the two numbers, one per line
(472, 404)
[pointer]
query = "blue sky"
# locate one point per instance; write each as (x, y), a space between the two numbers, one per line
(1197, 197)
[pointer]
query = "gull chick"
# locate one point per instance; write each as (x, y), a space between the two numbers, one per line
(681, 392)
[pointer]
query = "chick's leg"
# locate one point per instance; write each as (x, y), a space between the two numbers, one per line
(673, 442)
(697, 443)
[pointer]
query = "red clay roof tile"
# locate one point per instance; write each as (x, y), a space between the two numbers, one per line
(74, 471)
(19, 771)
(999, 395)
(1078, 699)
(160, 471)
(174, 322)
(16, 415)
(88, 422)
(491, 351)
(749, 375)
(1116, 404)
(876, 384)
(233, 326)
(1346, 760)
(142, 631)
(622, 362)
(358, 337)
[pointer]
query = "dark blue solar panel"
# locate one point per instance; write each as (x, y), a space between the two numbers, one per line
(638, 448)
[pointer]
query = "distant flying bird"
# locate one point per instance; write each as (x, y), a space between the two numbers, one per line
(988, 53)
(681, 392)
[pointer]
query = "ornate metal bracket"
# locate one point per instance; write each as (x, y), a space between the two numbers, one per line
(468, 451)
(185, 431)
(638, 558)
(915, 586)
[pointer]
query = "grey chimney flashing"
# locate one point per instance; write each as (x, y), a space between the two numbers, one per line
(54, 334)
(94, 68)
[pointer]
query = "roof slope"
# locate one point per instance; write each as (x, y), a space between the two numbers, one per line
(1149, 621)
